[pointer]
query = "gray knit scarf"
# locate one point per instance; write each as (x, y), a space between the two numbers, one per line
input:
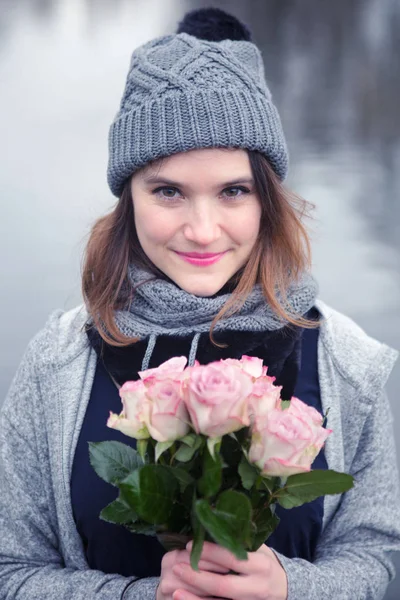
(159, 307)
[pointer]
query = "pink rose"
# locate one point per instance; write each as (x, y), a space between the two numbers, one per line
(131, 421)
(287, 441)
(265, 397)
(167, 418)
(304, 411)
(216, 398)
(252, 365)
(170, 368)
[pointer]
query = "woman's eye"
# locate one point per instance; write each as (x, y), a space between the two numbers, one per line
(235, 192)
(167, 192)
(173, 193)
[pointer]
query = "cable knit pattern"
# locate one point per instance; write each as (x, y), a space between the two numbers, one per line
(183, 93)
(160, 307)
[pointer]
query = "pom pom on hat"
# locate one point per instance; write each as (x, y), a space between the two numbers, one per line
(214, 25)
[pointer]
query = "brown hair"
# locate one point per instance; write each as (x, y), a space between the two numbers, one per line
(280, 255)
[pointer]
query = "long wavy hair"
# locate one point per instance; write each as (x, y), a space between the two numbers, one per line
(280, 255)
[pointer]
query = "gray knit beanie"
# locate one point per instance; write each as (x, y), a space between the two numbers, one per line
(183, 93)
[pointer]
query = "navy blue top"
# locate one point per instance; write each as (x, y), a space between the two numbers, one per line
(112, 548)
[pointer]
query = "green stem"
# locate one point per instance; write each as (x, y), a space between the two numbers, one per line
(275, 494)
(173, 450)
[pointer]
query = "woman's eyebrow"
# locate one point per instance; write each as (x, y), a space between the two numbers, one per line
(156, 180)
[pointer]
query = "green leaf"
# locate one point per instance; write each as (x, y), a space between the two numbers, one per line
(285, 404)
(268, 483)
(305, 487)
(162, 447)
(265, 522)
(113, 461)
(151, 492)
(187, 495)
(189, 439)
(118, 512)
(221, 527)
(213, 445)
(248, 474)
(186, 453)
(183, 477)
(238, 506)
(210, 481)
(143, 528)
(263, 519)
(198, 541)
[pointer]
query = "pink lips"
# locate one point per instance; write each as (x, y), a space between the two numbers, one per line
(201, 259)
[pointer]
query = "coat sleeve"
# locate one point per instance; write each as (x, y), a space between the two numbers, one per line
(352, 558)
(31, 565)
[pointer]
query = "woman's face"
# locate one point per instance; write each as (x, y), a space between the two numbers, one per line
(197, 216)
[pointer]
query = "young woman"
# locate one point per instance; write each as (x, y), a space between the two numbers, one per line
(204, 255)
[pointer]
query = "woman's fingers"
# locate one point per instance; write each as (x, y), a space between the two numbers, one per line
(183, 556)
(169, 584)
(209, 584)
(223, 558)
(205, 565)
(262, 571)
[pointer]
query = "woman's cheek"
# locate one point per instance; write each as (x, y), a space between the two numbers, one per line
(244, 223)
(157, 225)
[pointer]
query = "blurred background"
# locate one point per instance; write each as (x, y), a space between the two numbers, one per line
(333, 68)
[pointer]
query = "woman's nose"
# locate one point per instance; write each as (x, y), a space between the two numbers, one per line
(202, 227)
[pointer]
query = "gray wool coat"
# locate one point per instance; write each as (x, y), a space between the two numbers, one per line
(41, 552)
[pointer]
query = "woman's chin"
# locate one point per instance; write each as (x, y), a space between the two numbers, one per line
(200, 285)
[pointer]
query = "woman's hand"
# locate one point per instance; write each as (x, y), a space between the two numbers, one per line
(261, 577)
(170, 582)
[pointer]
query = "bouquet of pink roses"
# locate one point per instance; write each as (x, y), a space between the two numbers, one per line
(216, 450)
